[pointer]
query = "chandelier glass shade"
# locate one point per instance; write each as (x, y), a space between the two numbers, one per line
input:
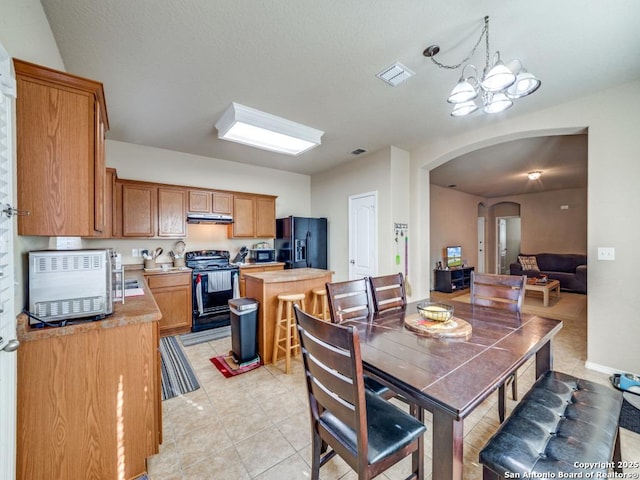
(495, 89)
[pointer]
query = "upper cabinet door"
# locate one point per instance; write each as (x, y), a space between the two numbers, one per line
(60, 124)
(139, 210)
(244, 217)
(199, 201)
(222, 202)
(265, 217)
(172, 212)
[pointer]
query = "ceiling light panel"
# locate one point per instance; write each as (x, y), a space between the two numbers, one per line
(395, 74)
(252, 127)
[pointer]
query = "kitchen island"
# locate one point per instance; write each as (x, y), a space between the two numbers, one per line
(89, 394)
(266, 286)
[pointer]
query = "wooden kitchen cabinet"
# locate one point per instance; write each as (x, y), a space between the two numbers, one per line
(254, 216)
(207, 201)
(172, 212)
(109, 203)
(149, 210)
(253, 268)
(139, 209)
(89, 403)
(172, 292)
(61, 120)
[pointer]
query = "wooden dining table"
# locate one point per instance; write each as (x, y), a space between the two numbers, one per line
(451, 377)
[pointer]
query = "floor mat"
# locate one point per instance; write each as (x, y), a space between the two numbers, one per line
(177, 375)
(229, 368)
(195, 338)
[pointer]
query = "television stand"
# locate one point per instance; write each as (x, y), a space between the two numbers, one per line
(449, 281)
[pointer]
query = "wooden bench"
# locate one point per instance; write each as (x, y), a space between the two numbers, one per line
(562, 425)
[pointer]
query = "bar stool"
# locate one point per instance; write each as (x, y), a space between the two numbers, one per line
(288, 325)
(317, 309)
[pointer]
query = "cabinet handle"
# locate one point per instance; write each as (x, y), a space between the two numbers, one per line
(9, 211)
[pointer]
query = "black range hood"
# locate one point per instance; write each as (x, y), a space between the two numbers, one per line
(215, 218)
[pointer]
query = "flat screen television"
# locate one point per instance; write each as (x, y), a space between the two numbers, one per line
(453, 256)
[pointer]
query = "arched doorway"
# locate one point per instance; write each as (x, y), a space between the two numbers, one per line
(504, 244)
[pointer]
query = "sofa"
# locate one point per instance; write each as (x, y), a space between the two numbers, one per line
(569, 269)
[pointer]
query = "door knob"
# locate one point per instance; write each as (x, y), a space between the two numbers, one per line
(352, 262)
(11, 345)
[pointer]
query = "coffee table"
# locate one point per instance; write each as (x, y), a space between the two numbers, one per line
(545, 288)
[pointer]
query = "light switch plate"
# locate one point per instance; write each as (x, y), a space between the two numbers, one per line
(606, 253)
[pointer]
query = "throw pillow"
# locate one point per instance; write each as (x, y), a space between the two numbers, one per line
(528, 263)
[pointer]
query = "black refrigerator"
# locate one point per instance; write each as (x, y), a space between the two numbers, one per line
(301, 242)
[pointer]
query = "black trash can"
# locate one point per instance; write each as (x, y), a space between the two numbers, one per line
(244, 330)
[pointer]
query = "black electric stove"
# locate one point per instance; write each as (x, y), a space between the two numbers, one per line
(215, 282)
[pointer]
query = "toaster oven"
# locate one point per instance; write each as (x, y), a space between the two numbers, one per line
(68, 284)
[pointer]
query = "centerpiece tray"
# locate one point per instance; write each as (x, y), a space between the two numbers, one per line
(453, 328)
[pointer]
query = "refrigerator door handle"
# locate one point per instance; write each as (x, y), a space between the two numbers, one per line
(306, 241)
(300, 251)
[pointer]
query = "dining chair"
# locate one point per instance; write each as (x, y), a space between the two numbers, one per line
(351, 300)
(504, 292)
(368, 432)
(388, 292)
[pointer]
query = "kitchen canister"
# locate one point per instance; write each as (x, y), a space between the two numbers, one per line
(178, 261)
(150, 263)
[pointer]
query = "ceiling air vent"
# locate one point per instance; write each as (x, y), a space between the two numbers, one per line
(395, 74)
(358, 151)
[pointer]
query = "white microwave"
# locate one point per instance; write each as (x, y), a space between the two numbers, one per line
(68, 284)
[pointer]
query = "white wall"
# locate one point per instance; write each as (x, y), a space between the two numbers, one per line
(613, 199)
(25, 34)
(137, 162)
(385, 172)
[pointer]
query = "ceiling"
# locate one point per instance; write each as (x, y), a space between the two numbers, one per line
(171, 67)
(502, 169)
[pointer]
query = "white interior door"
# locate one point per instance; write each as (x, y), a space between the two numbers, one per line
(8, 343)
(363, 235)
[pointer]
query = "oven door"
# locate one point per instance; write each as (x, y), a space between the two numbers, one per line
(212, 291)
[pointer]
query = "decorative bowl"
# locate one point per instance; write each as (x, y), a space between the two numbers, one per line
(435, 311)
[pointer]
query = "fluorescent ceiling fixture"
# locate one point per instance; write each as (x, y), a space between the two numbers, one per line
(258, 129)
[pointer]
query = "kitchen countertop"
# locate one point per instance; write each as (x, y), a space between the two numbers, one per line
(260, 264)
(291, 275)
(136, 309)
(161, 270)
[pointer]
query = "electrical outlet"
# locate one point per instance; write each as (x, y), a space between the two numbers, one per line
(606, 253)
(135, 252)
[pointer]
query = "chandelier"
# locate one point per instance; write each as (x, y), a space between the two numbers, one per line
(499, 85)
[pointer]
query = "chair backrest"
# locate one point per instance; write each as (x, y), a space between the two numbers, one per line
(388, 292)
(498, 291)
(334, 374)
(349, 300)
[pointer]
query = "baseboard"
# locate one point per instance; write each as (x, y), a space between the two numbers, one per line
(601, 368)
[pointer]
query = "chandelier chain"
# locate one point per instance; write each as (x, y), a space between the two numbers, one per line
(485, 34)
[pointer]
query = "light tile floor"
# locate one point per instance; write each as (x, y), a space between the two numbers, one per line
(256, 425)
